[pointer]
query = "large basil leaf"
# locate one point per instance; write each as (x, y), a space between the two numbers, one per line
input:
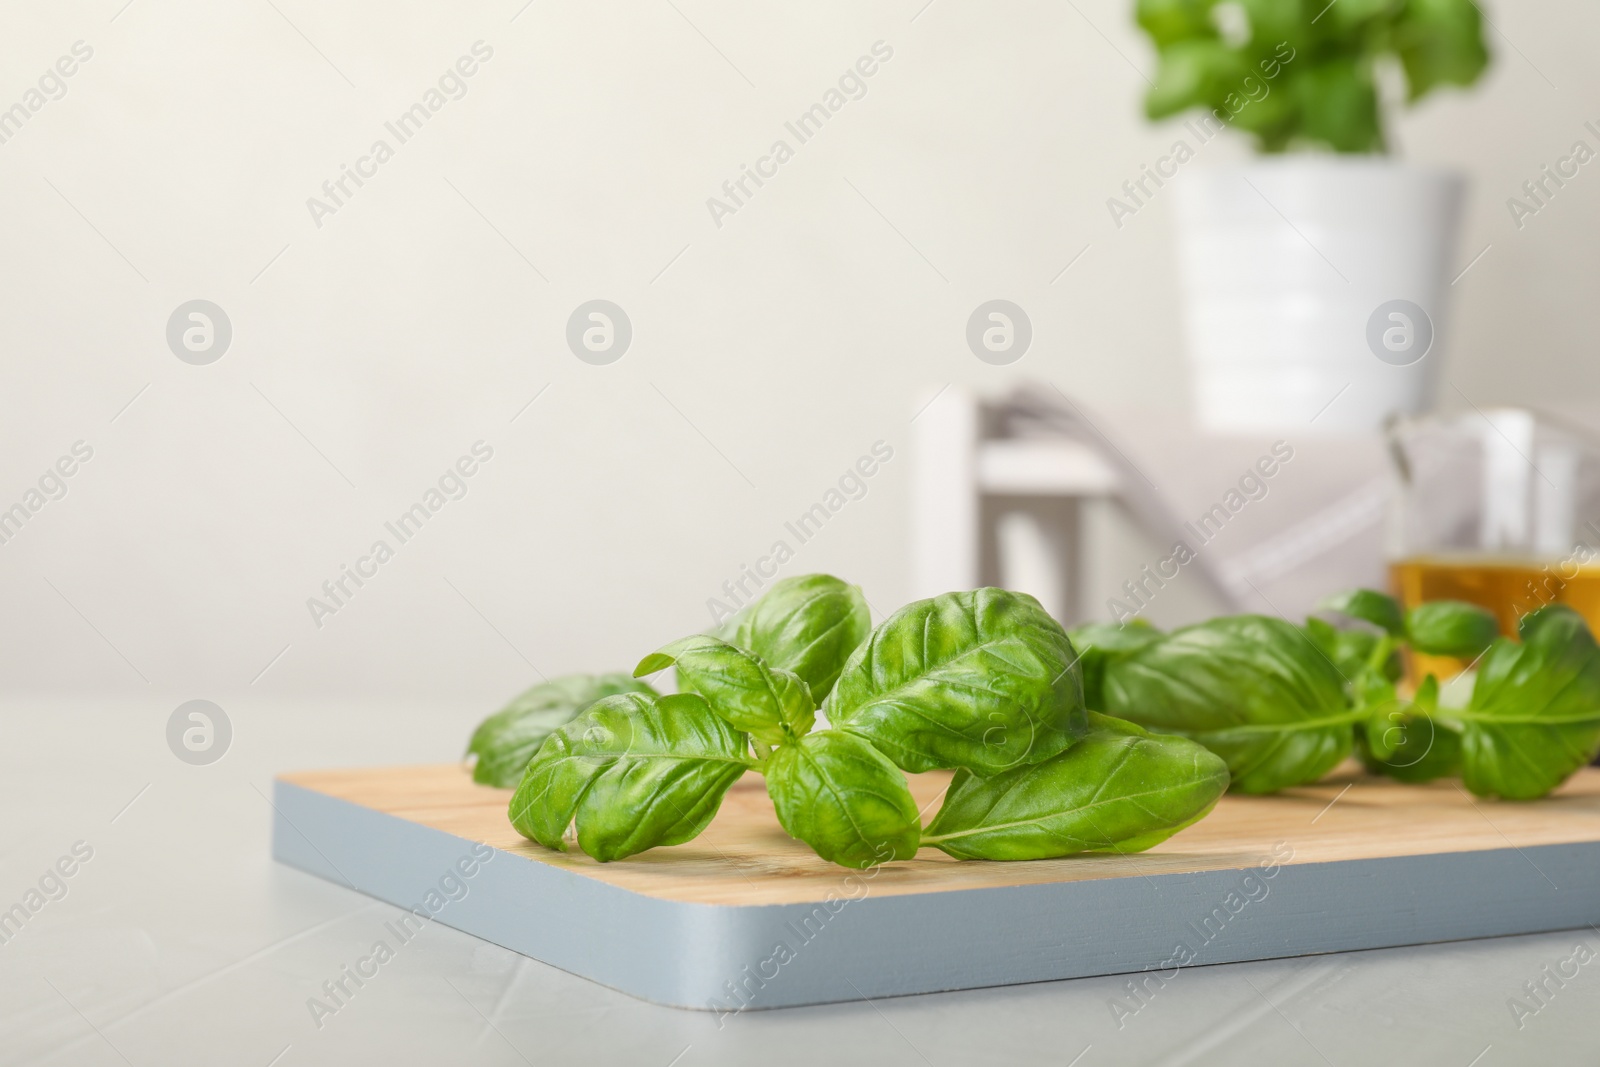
(771, 703)
(1098, 643)
(808, 625)
(1119, 789)
(1451, 628)
(985, 680)
(1534, 717)
(1254, 690)
(844, 798)
(507, 740)
(633, 771)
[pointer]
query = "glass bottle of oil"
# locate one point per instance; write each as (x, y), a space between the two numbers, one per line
(1500, 509)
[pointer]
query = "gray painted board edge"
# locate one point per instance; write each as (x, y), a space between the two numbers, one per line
(730, 957)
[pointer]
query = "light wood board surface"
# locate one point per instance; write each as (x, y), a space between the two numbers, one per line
(745, 858)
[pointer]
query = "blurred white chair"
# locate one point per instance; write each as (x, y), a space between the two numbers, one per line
(1000, 489)
(989, 509)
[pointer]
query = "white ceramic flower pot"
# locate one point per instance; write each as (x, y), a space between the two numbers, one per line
(1302, 278)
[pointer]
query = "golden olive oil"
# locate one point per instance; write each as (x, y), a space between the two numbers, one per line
(1509, 587)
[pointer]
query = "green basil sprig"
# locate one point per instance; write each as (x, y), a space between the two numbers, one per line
(984, 680)
(631, 772)
(505, 741)
(1119, 789)
(986, 683)
(1282, 704)
(1533, 717)
(1255, 690)
(1438, 627)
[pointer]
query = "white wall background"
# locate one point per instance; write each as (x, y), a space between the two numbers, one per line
(768, 354)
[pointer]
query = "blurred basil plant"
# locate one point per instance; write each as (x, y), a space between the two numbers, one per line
(1302, 73)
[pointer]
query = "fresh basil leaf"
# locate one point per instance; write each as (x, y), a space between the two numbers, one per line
(1350, 15)
(1440, 42)
(1450, 628)
(808, 625)
(633, 771)
(1384, 714)
(1193, 72)
(1534, 717)
(1167, 21)
(1098, 643)
(1381, 610)
(1254, 690)
(1383, 728)
(770, 703)
(1412, 745)
(843, 797)
(1339, 104)
(505, 741)
(1421, 749)
(1119, 789)
(985, 680)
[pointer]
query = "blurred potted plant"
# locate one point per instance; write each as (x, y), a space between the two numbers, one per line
(1314, 276)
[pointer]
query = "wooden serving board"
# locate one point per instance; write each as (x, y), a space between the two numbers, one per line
(743, 916)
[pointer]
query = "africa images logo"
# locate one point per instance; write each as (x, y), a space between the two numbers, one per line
(1399, 332)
